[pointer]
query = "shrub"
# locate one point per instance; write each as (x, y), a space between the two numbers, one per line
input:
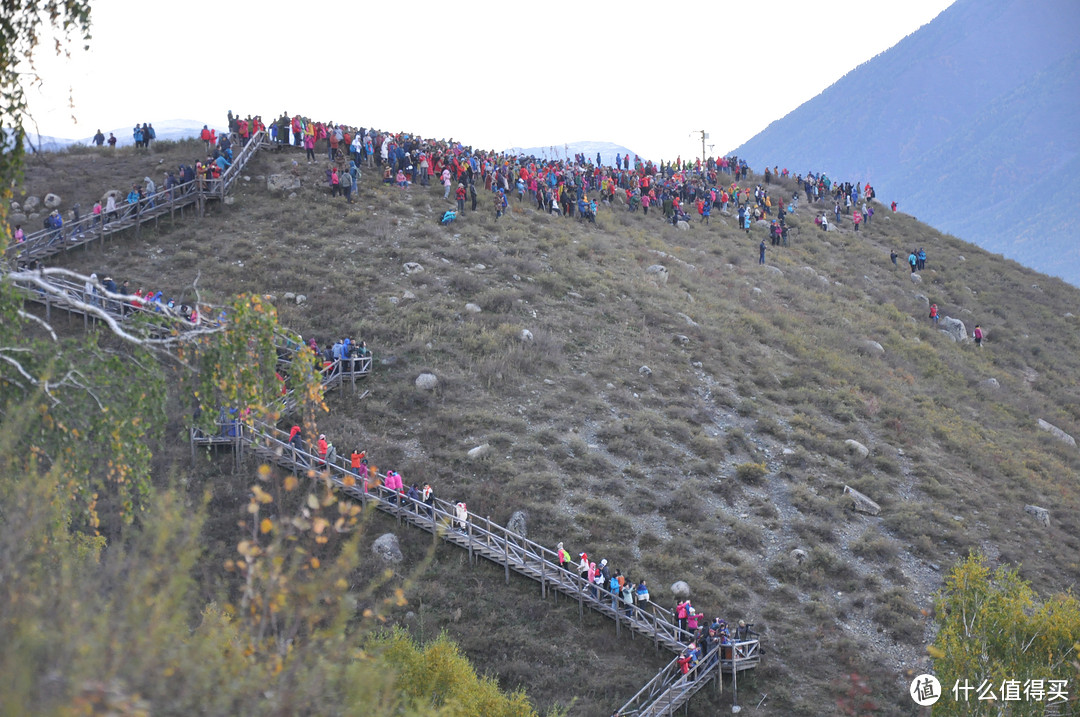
(750, 472)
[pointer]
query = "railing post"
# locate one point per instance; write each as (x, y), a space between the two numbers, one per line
(543, 578)
(506, 557)
(469, 534)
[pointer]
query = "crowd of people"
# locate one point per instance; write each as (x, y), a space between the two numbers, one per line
(119, 299)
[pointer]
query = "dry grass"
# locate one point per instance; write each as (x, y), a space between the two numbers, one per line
(712, 467)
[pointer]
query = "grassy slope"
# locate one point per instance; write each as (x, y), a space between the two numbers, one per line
(642, 469)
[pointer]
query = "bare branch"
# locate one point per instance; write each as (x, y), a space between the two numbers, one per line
(44, 324)
(38, 280)
(69, 380)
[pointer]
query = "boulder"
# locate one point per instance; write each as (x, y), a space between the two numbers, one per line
(300, 298)
(916, 279)
(17, 219)
(15, 207)
(1057, 433)
(408, 295)
(282, 183)
(1041, 514)
(289, 296)
(990, 383)
(683, 226)
(473, 308)
(52, 201)
(480, 451)
(411, 267)
(860, 502)
(247, 178)
(682, 339)
(872, 347)
(855, 448)
(229, 200)
(292, 195)
(687, 319)
(519, 523)
(30, 204)
(526, 335)
(955, 329)
(657, 273)
(387, 548)
(774, 270)
(799, 555)
(645, 371)
(680, 589)
(427, 382)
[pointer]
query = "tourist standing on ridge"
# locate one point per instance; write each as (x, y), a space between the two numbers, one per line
(978, 335)
(761, 256)
(933, 313)
(913, 261)
(893, 255)
(99, 139)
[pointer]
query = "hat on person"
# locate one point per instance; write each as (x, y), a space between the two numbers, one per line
(322, 435)
(604, 561)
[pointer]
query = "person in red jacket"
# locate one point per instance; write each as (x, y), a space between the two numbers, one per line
(460, 195)
(322, 447)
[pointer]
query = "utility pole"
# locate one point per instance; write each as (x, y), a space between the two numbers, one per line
(704, 136)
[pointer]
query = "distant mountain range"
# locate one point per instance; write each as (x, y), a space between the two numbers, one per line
(169, 129)
(606, 150)
(972, 124)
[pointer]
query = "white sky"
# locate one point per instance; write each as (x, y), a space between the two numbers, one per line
(492, 74)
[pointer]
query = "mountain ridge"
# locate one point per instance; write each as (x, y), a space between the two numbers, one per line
(986, 98)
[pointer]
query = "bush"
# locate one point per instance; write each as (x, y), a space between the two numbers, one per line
(750, 472)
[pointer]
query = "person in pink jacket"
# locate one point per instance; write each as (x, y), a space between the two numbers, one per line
(857, 219)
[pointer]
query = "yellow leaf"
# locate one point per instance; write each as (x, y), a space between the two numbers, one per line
(320, 525)
(253, 507)
(291, 483)
(313, 501)
(266, 525)
(315, 563)
(349, 481)
(264, 472)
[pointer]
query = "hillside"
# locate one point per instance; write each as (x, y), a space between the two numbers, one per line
(969, 123)
(654, 469)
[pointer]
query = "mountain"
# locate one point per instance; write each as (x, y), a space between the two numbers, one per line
(970, 123)
(647, 394)
(606, 150)
(174, 129)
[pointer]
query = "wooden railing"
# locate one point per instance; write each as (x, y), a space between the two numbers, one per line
(481, 537)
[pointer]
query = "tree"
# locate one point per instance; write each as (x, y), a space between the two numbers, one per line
(994, 628)
(21, 33)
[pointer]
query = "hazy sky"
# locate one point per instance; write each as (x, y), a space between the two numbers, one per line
(492, 74)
